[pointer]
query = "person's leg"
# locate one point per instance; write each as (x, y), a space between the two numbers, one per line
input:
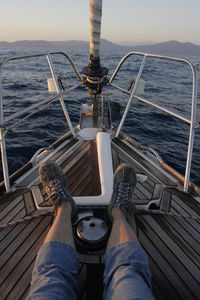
(61, 231)
(56, 268)
(121, 231)
(127, 274)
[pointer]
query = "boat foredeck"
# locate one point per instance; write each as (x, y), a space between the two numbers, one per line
(171, 241)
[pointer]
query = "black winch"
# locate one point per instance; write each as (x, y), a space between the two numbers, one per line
(95, 75)
(91, 232)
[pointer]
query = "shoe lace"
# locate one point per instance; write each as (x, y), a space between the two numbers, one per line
(123, 192)
(55, 189)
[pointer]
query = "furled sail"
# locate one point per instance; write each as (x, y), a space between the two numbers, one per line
(95, 26)
(95, 75)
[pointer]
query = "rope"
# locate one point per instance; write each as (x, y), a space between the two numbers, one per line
(138, 212)
(27, 219)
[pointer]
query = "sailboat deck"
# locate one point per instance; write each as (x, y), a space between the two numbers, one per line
(19, 247)
(173, 255)
(171, 241)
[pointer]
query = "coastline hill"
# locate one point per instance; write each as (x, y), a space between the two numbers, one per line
(169, 47)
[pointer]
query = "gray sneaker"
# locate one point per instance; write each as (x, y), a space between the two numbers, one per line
(53, 180)
(124, 183)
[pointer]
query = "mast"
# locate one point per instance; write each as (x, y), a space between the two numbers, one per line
(94, 73)
(95, 28)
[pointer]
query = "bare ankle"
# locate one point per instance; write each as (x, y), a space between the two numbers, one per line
(65, 207)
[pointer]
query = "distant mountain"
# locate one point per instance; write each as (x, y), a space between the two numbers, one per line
(26, 43)
(170, 47)
(130, 44)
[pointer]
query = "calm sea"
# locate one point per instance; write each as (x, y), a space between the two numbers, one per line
(167, 84)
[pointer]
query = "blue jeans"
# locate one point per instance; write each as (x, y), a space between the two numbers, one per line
(126, 275)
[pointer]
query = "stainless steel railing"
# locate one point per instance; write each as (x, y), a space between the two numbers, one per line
(132, 95)
(60, 94)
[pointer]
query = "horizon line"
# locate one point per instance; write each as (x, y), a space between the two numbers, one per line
(118, 43)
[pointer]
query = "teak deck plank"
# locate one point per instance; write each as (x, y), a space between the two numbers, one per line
(9, 208)
(21, 214)
(9, 238)
(139, 194)
(179, 209)
(173, 245)
(79, 164)
(71, 153)
(190, 227)
(77, 191)
(14, 213)
(4, 233)
(80, 172)
(88, 190)
(148, 184)
(173, 254)
(4, 204)
(187, 206)
(162, 271)
(22, 285)
(65, 147)
(144, 191)
(157, 291)
(177, 232)
(25, 293)
(193, 223)
(96, 185)
(30, 252)
(167, 261)
(8, 260)
(71, 159)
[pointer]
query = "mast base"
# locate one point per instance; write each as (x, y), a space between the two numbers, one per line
(95, 76)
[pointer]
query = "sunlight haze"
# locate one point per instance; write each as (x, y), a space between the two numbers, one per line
(123, 20)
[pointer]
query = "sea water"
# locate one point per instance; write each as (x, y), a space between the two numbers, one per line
(166, 84)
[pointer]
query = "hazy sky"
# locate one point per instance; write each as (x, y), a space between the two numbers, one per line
(123, 20)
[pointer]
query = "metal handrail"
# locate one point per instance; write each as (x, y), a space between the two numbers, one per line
(34, 106)
(192, 121)
(26, 110)
(13, 58)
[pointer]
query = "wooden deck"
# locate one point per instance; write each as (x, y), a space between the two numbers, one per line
(173, 255)
(19, 245)
(170, 241)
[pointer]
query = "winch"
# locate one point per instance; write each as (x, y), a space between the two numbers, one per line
(91, 233)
